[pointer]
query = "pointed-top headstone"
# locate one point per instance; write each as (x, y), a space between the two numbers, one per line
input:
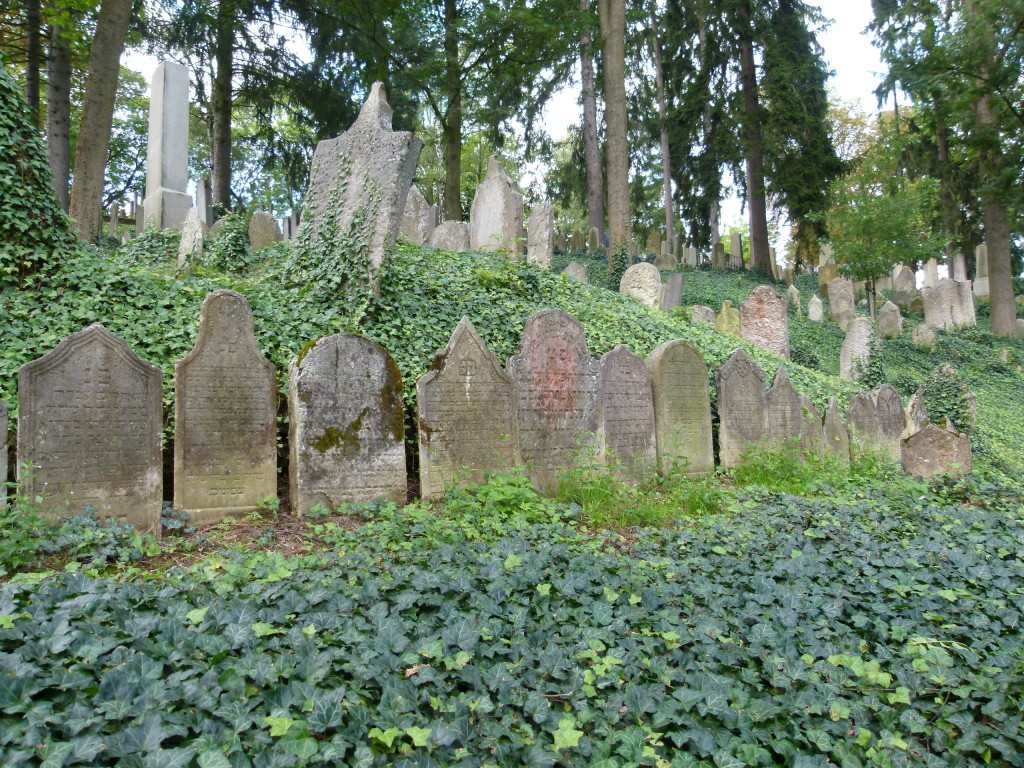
(763, 320)
(418, 219)
(496, 218)
(835, 435)
(785, 410)
(742, 407)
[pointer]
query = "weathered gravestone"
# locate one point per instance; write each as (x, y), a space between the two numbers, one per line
(810, 426)
(958, 268)
(785, 410)
(360, 180)
(593, 240)
(418, 218)
(701, 314)
(764, 322)
(89, 431)
(728, 319)
(496, 218)
(840, 302)
(916, 415)
(225, 416)
(666, 261)
(736, 251)
(558, 391)
(467, 413)
(193, 235)
(682, 408)
(347, 428)
(815, 310)
(835, 436)
(862, 417)
(931, 273)
(691, 256)
(718, 257)
(642, 282)
(167, 203)
(654, 243)
(948, 304)
(3, 454)
(742, 407)
(828, 270)
(936, 451)
(672, 292)
(451, 236)
(891, 418)
(903, 279)
(204, 201)
(263, 231)
(579, 241)
(981, 271)
(924, 337)
(627, 415)
(855, 353)
(890, 321)
(793, 300)
(540, 235)
(576, 271)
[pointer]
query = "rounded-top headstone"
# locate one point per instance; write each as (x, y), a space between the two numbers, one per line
(263, 231)
(451, 236)
(627, 415)
(682, 408)
(642, 282)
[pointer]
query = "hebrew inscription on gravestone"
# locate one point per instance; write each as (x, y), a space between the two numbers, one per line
(682, 407)
(627, 414)
(742, 407)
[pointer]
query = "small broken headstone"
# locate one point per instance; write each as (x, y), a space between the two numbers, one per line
(193, 234)
(450, 236)
(728, 319)
(576, 271)
(924, 336)
(936, 451)
(418, 219)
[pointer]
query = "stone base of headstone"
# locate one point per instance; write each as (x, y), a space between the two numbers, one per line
(981, 287)
(166, 209)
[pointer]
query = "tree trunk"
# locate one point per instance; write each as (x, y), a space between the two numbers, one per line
(220, 105)
(452, 125)
(613, 50)
(33, 56)
(754, 147)
(715, 213)
(97, 116)
(591, 143)
(666, 162)
(58, 114)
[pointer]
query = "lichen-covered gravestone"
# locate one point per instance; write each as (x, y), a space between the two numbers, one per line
(936, 451)
(948, 304)
(742, 407)
(496, 218)
(89, 431)
(193, 235)
(840, 302)
(903, 279)
(225, 416)
(467, 413)
(558, 389)
(834, 434)
(785, 410)
(810, 429)
(728, 319)
(451, 236)
(815, 310)
(359, 181)
(627, 415)
(540, 235)
(347, 429)
(576, 271)
(682, 408)
(763, 320)
(418, 219)
(855, 352)
(862, 416)
(642, 282)
(263, 231)
(891, 417)
(890, 321)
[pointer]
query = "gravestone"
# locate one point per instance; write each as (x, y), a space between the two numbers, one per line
(862, 416)
(924, 337)
(981, 271)
(855, 351)
(193, 235)
(167, 203)
(742, 407)
(785, 410)
(835, 435)
(540, 235)
(627, 415)
(654, 243)
(576, 271)
(903, 279)
(225, 416)
(263, 231)
(948, 305)
(891, 417)
(558, 390)
(362, 179)
(890, 321)
(467, 414)
(691, 256)
(91, 419)
(883, 283)
(828, 270)
(593, 240)
(793, 300)
(633, 250)
(672, 292)
(496, 218)
(3, 454)
(682, 408)
(840, 302)
(728, 319)
(451, 236)
(701, 314)
(958, 268)
(347, 425)
(916, 415)
(810, 426)
(718, 258)
(763, 320)
(931, 272)
(774, 264)
(815, 310)
(666, 261)
(112, 232)
(579, 241)
(936, 451)
(736, 251)
(204, 201)
(642, 282)
(418, 218)
(788, 274)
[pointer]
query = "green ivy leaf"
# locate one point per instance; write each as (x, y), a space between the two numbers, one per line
(419, 736)
(566, 736)
(279, 726)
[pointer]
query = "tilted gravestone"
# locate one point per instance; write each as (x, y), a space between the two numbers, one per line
(785, 410)
(558, 391)
(540, 235)
(225, 416)
(682, 408)
(702, 314)
(855, 352)
(742, 407)
(91, 419)
(834, 434)
(576, 271)
(496, 218)
(642, 282)
(3, 454)
(627, 415)
(815, 310)
(890, 321)
(862, 417)
(360, 181)
(891, 417)
(467, 413)
(810, 427)
(936, 451)
(263, 231)
(764, 322)
(418, 219)
(193, 235)
(924, 336)
(347, 425)
(728, 319)
(672, 292)
(840, 302)
(451, 236)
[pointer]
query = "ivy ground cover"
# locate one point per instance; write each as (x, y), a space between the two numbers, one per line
(793, 632)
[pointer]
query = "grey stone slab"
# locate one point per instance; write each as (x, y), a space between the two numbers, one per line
(903, 279)
(736, 251)
(891, 417)
(347, 425)
(702, 314)
(890, 321)
(840, 302)
(835, 435)
(793, 300)
(418, 219)
(628, 443)
(467, 413)
(924, 336)
(666, 261)
(593, 240)
(785, 411)
(166, 203)
(981, 271)
(558, 389)
(225, 416)
(682, 408)
(451, 236)
(931, 273)
(855, 352)
(958, 268)
(496, 218)
(935, 451)
(263, 231)
(672, 292)
(576, 271)
(540, 235)
(742, 407)
(810, 426)
(948, 304)
(764, 321)
(90, 425)
(916, 414)
(193, 234)
(862, 418)
(719, 259)
(642, 282)
(815, 310)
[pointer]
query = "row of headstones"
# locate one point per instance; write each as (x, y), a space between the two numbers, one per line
(91, 417)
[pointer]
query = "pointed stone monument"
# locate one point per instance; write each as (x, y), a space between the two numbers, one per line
(496, 218)
(167, 203)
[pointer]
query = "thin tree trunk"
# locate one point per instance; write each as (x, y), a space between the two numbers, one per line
(452, 125)
(591, 142)
(58, 114)
(33, 56)
(220, 105)
(666, 161)
(756, 201)
(715, 212)
(97, 116)
(613, 37)
(947, 203)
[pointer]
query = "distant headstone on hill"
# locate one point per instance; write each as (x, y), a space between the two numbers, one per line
(793, 300)
(936, 451)
(701, 314)
(890, 321)
(451, 236)
(540, 235)
(682, 407)
(225, 416)
(576, 271)
(981, 271)
(654, 243)
(467, 414)
(418, 219)
(627, 415)
(193, 235)
(579, 241)
(815, 310)
(558, 387)
(840, 302)
(718, 257)
(89, 428)
(642, 282)
(764, 322)
(828, 270)
(924, 337)
(593, 240)
(948, 304)
(263, 231)
(742, 407)
(496, 218)
(835, 435)
(903, 279)
(855, 353)
(672, 292)
(785, 410)
(367, 171)
(958, 268)
(728, 319)
(931, 272)
(666, 261)
(347, 425)
(736, 251)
